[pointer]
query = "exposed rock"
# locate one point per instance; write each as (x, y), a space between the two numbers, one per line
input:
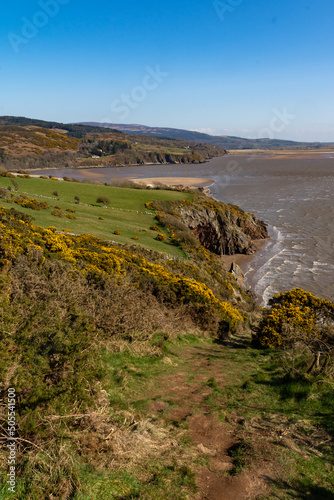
(237, 273)
(224, 229)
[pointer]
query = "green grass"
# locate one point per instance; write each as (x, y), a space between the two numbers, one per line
(260, 393)
(130, 377)
(264, 394)
(164, 482)
(126, 212)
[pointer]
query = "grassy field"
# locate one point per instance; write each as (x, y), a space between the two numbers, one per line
(125, 213)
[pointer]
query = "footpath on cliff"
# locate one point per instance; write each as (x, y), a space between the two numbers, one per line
(195, 395)
(203, 423)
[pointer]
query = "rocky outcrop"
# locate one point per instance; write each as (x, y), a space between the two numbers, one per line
(238, 275)
(223, 229)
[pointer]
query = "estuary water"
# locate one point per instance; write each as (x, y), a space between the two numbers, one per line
(293, 194)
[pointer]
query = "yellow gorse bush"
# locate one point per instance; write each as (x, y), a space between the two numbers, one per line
(296, 314)
(90, 254)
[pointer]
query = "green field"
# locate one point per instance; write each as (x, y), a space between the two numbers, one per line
(125, 213)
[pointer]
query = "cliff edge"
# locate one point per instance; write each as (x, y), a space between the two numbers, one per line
(221, 228)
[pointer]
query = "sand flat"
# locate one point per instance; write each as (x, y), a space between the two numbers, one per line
(175, 181)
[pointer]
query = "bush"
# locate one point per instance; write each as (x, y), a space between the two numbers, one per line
(101, 218)
(299, 318)
(15, 184)
(57, 212)
(154, 228)
(4, 193)
(56, 193)
(117, 232)
(26, 202)
(103, 199)
(161, 237)
(135, 237)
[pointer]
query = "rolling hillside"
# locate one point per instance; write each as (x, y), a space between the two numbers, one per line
(227, 142)
(27, 143)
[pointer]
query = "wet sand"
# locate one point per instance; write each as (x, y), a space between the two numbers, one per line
(242, 260)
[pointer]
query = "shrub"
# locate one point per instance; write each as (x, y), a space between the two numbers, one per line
(4, 193)
(154, 228)
(101, 218)
(77, 200)
(103, 199)
(53, 178)
(26, 202)
(56, 193)
(299, 318)
(57, 212)
(161, 237)
(15, 184)
(117, 232)
(70, 216)
(5, 173)
(135, 237)
(70, 210)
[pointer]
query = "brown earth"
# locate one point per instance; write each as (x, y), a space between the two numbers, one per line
(181, 399)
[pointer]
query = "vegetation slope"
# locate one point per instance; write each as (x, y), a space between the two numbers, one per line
(27, 143)
(88, 325)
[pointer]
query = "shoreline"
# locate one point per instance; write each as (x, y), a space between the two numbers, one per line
(87, 167)
(186, 182)
(242, 260)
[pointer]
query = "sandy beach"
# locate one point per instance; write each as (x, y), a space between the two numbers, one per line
(174, 181)
(241, 259)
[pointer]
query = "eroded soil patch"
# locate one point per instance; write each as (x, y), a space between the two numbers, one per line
(193, 395)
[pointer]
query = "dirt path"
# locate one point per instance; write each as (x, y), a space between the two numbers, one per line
(190, 395)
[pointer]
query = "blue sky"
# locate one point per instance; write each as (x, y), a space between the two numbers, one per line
(250, 68)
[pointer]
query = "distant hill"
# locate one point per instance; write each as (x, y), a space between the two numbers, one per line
(30, 143)
(227, 142)
(73, 130)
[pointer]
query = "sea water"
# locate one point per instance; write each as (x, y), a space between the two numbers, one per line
(293, 194)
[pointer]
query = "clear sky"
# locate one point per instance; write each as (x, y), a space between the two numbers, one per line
(250, 68)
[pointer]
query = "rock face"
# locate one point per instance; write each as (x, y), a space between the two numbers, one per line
(224, 229)
(237, 274)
